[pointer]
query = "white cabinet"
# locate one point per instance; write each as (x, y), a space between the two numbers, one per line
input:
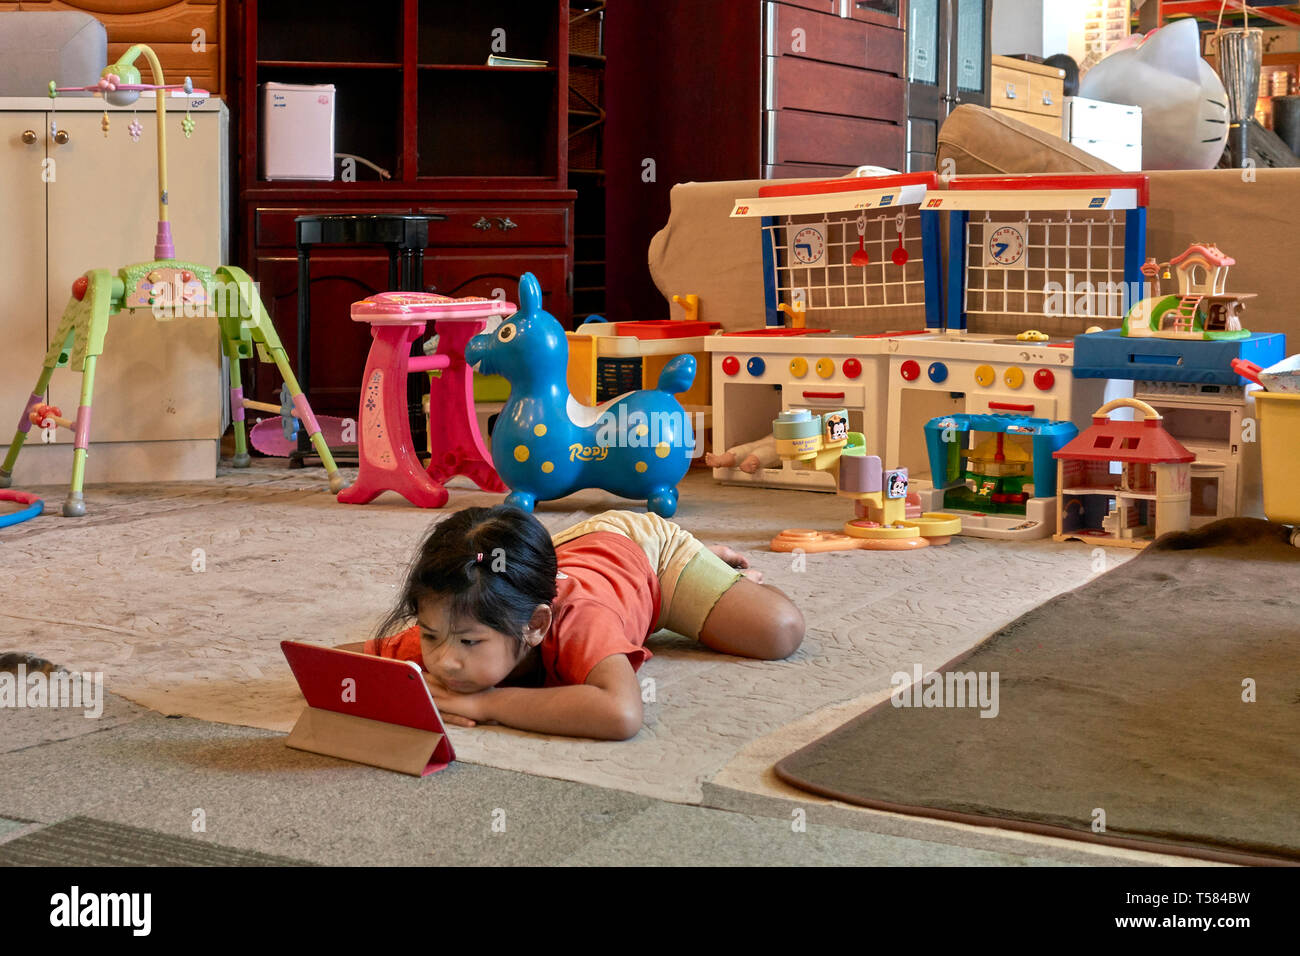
(22, 262)
(1109, 131)
(91, 203)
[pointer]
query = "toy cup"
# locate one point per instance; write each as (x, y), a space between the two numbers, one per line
(798, 434)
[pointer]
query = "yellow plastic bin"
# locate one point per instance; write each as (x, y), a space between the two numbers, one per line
(1279, 453)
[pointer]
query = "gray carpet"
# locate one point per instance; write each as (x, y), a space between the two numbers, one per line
(82, 841)
(147, 776)
(1124, 696)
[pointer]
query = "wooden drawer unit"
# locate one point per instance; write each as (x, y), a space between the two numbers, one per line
(1046, 94)
(1048, 124)
(187, 35)
(1030, 92)
(475, 224)
(829, 88)
(834, 95)
(1010, 88)
(803, 171)
(831, 7)
(795, 137)
(496, 275)
(833, 39)
(888, 13)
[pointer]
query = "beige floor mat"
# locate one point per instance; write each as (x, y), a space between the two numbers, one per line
(118, 591)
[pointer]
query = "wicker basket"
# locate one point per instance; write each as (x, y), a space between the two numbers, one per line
(585, 33)
(585, 151)
(585, 81)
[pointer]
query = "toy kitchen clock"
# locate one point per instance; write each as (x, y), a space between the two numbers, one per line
(808, 246)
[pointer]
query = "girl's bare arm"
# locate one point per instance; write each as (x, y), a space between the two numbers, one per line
(606, 707)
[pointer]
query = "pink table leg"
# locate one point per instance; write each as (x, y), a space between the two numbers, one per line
(387, 455)
(455, 441)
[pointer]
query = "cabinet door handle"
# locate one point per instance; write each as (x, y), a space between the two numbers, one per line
(482, 223)
(61, 137)
(1047, 98)
(506, 225)
(29, 136)
(1011, 91)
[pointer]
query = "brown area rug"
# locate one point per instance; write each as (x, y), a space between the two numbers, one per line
(1125, 696)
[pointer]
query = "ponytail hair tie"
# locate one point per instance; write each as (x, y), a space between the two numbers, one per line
(479, 559)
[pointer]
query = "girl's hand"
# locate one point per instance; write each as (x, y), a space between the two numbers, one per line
(460, 710)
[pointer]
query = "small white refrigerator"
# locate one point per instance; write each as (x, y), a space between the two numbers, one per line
(297, 131)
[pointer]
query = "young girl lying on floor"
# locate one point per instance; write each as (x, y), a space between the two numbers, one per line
(546, 635)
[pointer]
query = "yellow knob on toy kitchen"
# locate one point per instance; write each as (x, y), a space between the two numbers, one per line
(984, 375)
(799, 367)
(825, 367)
(1014, 377)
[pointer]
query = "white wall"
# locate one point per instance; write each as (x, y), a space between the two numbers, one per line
(1040, 27)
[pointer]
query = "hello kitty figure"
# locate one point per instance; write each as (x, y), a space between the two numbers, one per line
(1184, 105)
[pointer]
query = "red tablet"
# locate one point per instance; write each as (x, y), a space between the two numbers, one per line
(371, 710)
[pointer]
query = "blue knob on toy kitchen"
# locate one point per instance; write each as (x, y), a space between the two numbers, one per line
(546, 445)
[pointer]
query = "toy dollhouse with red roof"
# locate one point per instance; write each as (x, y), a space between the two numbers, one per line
(1201, 309)
(1123, 483)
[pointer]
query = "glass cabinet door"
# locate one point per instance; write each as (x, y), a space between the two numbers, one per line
(923, 42)
(971, 52)
(947, 64)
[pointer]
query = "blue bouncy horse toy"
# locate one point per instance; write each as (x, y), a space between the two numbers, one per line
(546, 445)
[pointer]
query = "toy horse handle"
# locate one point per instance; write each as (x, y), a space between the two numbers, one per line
(530, 294)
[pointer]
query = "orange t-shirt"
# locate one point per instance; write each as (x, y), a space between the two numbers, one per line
(606, 602)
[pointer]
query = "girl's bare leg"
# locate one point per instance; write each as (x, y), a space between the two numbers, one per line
(753, 620)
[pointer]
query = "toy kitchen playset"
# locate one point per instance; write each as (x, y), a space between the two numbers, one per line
(855, 265)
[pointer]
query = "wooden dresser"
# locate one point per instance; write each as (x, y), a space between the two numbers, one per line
(1030, 92)
(485, 146)
(187, 35)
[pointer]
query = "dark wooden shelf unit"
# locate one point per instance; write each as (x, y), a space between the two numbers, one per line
(485, 146)
(587, 154)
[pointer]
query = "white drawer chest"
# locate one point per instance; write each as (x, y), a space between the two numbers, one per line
(1109, 131)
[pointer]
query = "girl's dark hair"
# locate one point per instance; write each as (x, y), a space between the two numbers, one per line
(495, 565)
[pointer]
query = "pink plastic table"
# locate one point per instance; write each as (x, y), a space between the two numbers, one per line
(388, 459)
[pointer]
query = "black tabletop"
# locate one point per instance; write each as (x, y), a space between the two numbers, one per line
(405, 230)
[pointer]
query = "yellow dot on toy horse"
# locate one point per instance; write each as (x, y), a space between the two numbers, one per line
(641, 466)
(662, 449)
(521, 453)
(547, 466)
(642, 431)
(539, 430)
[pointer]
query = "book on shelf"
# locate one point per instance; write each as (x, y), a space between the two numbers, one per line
(513, 61)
